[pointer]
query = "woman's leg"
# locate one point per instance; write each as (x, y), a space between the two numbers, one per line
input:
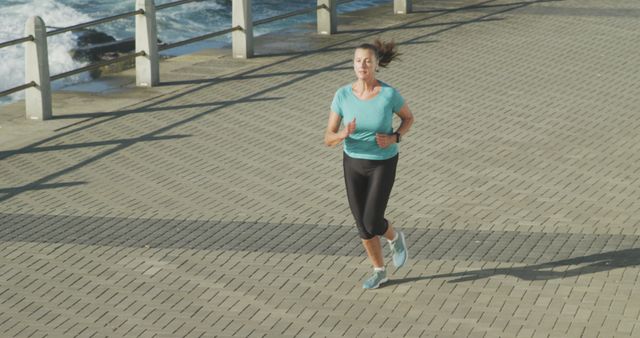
(368, 190)
(397, 245)
(374, 248)
(380, 186)
(391, 233)
(357, 184)
(374, 251)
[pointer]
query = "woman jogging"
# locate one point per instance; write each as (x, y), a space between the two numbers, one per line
(365, 109)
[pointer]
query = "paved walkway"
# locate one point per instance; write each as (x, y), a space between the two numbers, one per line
(210, 207)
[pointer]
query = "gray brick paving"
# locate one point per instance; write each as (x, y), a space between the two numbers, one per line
(208, 207)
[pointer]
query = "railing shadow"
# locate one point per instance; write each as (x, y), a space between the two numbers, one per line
(33, 186)
(482, 6)
(124, 112)
(453, 23)
(111, 116)
(546, 271)
(98, 144)
(250, 77)
(373, 32)
(42, 184)
(178, 233)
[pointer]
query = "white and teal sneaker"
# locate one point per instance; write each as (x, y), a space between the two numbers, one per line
(379, 277)
(399, 250)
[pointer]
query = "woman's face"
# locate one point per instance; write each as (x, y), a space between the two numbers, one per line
(364, 64)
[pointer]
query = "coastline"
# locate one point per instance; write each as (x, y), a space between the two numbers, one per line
(101, 46)
(79, 102)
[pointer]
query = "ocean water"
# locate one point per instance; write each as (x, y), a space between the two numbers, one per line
(174, 24)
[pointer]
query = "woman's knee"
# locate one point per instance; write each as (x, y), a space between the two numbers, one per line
(364, 233)
(375, 225)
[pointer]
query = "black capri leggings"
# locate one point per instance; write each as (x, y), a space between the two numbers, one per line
(369, 184)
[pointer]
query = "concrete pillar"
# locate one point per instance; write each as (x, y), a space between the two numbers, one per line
(327, 17)
(147, 66)
(38, 98)
(401, 6)
(242, 40)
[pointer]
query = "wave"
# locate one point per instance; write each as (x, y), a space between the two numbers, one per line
(174, 24)
(13, 27)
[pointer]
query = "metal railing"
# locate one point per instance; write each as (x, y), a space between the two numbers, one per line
(96, 22)
(16, 41)
(38, 89)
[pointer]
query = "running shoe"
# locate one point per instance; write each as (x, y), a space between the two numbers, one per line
(376, 280)
(399, 250)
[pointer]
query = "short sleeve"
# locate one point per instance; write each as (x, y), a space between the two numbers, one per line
(336, 105)
(397, 101)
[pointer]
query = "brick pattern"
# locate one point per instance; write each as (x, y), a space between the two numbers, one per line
(215, 210)
(544, 249)
(75, 289)
(516, 131)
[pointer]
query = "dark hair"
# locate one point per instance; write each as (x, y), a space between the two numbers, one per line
(385, 51)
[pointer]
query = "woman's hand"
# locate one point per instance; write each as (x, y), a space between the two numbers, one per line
(333, 136)
(349, 129)
(385, 140)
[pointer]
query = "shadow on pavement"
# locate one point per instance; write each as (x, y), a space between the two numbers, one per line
(483, 5)
(213, 107)
(546, 271)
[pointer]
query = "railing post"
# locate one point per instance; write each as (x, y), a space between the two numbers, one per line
(327, 17)
(147, 66)
(242, 40)
(401, 6)
(38, 98)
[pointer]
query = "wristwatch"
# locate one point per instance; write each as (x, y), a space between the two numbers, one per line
(397, 137)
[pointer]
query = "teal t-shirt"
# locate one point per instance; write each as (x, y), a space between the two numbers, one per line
(372, 116)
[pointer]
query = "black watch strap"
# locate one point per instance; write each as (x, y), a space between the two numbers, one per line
(397, 137)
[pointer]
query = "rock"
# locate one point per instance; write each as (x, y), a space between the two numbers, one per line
(96, 52)
(94, 46)
(88, 37)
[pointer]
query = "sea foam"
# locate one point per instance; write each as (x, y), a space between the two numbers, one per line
(14, 17)
(174, 24)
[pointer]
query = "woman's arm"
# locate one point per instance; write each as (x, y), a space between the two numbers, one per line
(407, 120)
(385, 140)
(333, 137)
